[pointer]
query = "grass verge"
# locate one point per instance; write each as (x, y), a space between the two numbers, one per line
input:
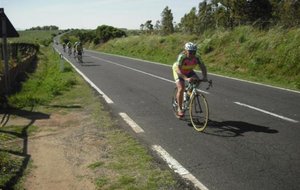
(124, 162)
(271, 57)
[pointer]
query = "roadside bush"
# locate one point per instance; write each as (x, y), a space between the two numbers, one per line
(8, 167)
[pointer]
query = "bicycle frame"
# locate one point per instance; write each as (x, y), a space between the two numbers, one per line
(195, 103)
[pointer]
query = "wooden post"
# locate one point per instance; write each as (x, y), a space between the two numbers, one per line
(5, 52)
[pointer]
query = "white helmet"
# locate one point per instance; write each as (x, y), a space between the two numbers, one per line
(190, 46)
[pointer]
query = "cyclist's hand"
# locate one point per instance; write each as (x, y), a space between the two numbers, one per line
(190, 79)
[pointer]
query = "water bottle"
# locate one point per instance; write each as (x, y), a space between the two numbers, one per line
(185, 96)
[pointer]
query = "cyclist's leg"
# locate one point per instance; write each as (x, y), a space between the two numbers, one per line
(79, 54)
(179, 96)
(180, 89)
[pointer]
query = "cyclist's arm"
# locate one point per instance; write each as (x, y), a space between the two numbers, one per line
(203, 69)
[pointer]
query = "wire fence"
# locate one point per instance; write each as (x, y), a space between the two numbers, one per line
(21, 57)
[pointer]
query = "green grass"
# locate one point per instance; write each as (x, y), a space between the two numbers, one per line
(124, 162)
(16, 131)
(45, 84)
(131, 167)
(8, 167)
(11, 154)
(270, 57)
(42, 37)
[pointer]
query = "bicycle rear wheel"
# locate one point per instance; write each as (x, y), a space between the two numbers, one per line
(79, 58)
(199, 112)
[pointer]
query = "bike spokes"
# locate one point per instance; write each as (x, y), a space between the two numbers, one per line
(199, 112)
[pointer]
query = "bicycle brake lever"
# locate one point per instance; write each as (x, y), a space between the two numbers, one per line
(210, 84)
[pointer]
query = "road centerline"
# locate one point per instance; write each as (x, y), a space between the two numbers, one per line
(267, 112)
(143, 72)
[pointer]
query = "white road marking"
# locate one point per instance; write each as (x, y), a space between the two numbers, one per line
(260, 84)
(267, 112)
(177, 167)
(270, 86)
(143, 72)
(136, 128)
(106, 98)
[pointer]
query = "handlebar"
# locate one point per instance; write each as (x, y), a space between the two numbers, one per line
(209, 84)
(194, 83)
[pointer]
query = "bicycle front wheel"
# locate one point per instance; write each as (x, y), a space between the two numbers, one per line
(174, 101)
(199, 112)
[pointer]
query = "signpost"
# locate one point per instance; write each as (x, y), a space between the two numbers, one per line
(7, 30)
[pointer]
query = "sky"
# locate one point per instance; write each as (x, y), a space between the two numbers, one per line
(89, 14)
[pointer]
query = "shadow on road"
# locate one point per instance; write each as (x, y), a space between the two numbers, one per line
(235, 128)
(85, 64)
(23, 135)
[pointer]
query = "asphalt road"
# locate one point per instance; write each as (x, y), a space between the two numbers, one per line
(253, 138)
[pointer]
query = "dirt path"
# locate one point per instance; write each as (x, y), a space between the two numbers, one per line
(61, 153)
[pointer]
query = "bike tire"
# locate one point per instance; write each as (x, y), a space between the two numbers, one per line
(199, 112)
(174, 102)
(79, 58)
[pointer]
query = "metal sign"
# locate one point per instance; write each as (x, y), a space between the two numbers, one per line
(10, 30)
(7, 30)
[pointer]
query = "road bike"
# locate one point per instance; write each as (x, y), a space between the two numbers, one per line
(69, 51)
(79, 57)
(195, 103)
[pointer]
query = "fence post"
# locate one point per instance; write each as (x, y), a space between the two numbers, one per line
(61, 62)
(5, 56)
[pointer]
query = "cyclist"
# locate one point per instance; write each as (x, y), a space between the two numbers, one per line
(183, 70)
(64, 46)
(74, 49)
(79, 50)
(69, 45)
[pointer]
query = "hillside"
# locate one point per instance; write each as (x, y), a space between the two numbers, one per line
(271, 56)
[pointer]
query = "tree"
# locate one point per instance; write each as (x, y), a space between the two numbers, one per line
(205, 17)
(167, 21)
(105, 33)
(259, 12)
(149, 25)
(157, 25)
(142, 26)
(289, 13)
(189, 21)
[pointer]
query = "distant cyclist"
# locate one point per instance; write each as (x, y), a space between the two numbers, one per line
(69, 45)
(64, 46)
(183, 70)
(79, 50)
(74, 49)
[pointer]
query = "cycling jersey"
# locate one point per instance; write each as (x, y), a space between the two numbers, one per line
(186, 65)
(69, 45)
(78, 47)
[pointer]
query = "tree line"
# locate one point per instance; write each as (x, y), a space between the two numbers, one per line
(209, 15)
(102, 34)
(213, 14)
(51, 27)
